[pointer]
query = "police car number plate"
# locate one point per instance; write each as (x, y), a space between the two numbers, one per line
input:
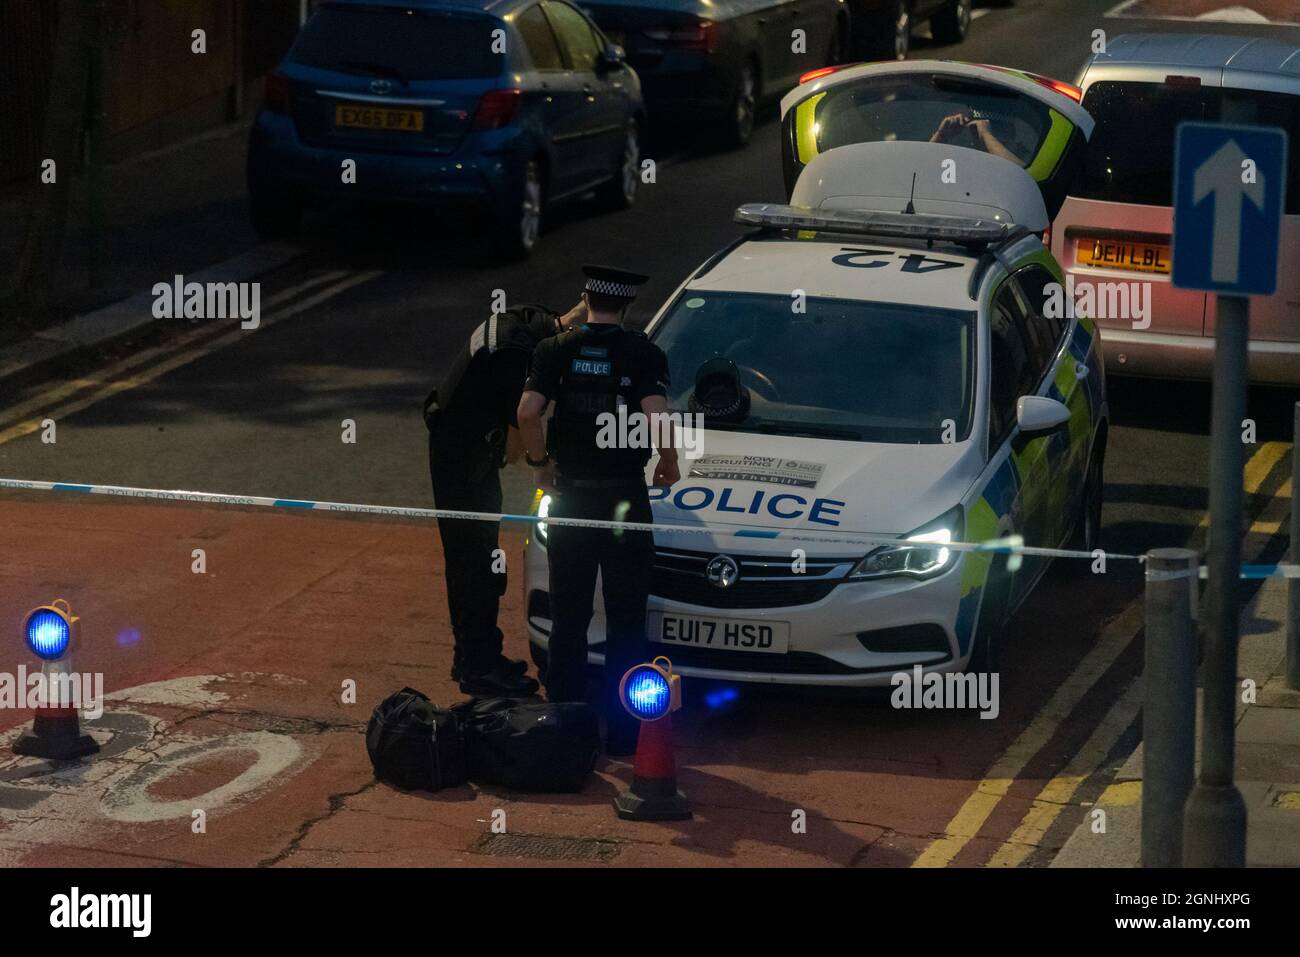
(724, 634)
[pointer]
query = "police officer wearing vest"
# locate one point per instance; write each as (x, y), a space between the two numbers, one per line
(589, 372)
(471, 422)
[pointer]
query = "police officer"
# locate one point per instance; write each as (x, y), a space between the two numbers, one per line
(471, 420)
(590, 372)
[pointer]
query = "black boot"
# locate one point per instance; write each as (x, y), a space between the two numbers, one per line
(509, 664)
(499, 681)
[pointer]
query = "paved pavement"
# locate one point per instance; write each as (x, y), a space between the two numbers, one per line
(176, 209)
(255, 732)
(1267, 759)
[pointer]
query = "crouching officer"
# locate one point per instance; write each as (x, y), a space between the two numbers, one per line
(470, 419)
(590, 372)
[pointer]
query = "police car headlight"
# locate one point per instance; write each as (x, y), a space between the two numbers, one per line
(543, 510)
(920, 555)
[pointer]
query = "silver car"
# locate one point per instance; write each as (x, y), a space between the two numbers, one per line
(1118, 227)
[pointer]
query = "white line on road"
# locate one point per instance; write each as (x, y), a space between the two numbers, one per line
(79, 394)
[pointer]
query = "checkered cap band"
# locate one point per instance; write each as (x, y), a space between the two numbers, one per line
(607, 288)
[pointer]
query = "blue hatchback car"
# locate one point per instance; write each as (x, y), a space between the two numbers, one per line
(496, 107)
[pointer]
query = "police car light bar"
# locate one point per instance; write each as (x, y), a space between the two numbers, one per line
(965, 231)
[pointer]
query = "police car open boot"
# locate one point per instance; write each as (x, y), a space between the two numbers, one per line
(502, 680)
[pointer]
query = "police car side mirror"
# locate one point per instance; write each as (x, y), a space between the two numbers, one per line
(1037, 413)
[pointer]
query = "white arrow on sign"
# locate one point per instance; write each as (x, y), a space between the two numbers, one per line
(1221, 175)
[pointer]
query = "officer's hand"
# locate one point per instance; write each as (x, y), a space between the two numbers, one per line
(666, 473)
(575, 316)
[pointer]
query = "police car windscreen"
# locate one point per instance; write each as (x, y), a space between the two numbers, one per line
(913, 109)
(402, 45)
(872, 372)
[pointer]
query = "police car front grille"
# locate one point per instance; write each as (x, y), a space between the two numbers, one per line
(765, 581)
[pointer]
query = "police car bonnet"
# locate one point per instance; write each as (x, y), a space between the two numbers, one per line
(949, 180)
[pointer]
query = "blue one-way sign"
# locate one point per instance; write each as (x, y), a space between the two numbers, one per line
(1229, 191)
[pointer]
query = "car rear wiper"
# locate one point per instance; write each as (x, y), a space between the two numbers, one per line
(376, 69)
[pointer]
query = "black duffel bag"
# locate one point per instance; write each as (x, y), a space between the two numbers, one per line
(414, 744)
(551, 747)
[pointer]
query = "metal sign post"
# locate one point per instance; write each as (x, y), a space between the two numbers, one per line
(1228, 198)
(1293, 583)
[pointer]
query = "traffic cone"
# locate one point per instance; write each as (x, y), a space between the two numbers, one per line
(56, 728)
(654, 795)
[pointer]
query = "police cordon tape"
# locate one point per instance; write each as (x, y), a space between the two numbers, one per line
(1011, 545)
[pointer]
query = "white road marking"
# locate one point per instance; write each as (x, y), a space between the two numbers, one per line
(67, 804)
(122, 376)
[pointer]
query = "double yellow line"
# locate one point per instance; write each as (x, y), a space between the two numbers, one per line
(72, 396)
(1056, 795)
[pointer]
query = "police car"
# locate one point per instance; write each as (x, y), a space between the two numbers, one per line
(903, 383)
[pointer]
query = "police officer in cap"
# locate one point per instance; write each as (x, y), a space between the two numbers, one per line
(471, 422)
(590, 372)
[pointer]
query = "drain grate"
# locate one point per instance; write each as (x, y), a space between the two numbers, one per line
(546, 848)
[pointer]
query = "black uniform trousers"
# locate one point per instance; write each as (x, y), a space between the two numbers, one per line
(625, 560)
(467, 477)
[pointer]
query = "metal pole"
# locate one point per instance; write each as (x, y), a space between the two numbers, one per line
(1215, 820)
(1169, 703)
(1293, 584)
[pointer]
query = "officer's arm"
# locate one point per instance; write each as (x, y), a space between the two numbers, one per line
(514, 446)
(532, 406)
(655, 408)
(652, 393)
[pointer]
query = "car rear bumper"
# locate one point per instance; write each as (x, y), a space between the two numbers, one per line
(279, 160)
(1165, 356)
(834, 642)
(683, 83)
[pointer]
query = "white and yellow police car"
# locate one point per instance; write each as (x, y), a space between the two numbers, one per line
(901, 379)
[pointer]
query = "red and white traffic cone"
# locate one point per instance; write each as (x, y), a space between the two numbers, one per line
(654, 795)
(56, 727)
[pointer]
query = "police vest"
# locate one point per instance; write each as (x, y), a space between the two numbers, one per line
(520, 328)
(600, 368)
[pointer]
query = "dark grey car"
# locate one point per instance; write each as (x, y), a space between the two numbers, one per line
(718, 60)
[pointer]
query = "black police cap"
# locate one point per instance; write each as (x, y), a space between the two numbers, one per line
(608, 281)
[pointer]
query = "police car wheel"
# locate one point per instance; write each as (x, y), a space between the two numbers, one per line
(1087, 533)
(950, 24)
(620, 191)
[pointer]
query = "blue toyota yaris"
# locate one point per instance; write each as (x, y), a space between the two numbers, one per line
(499, 108)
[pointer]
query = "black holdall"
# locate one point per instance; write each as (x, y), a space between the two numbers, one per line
(546, 747)
(414, 744)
